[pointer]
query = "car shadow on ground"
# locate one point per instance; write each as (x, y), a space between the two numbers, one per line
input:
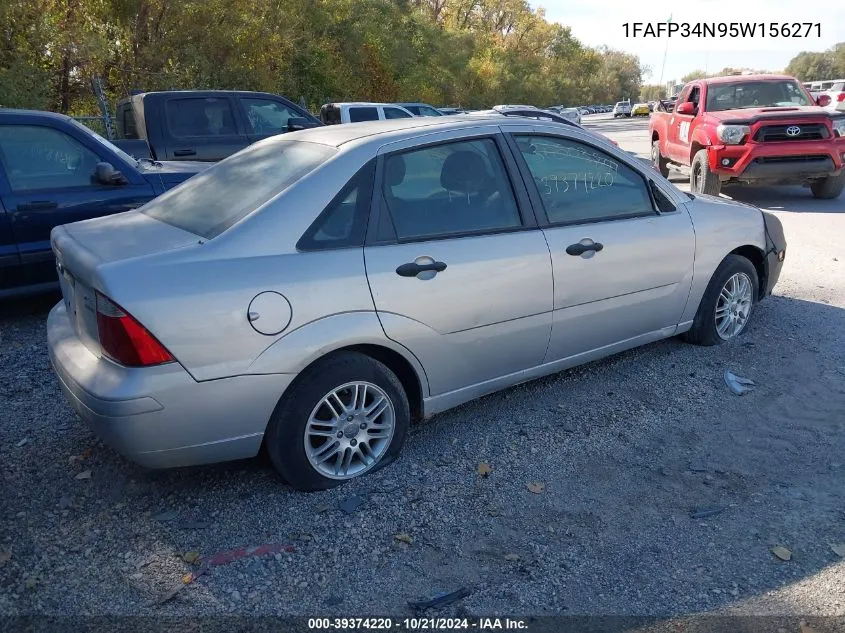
(793, 199)
(659, 487)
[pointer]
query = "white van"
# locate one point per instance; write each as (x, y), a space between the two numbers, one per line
(333, 113)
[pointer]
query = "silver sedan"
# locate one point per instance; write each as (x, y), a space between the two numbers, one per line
(318, 291)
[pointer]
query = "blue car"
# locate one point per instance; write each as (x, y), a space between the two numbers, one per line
(54, 170)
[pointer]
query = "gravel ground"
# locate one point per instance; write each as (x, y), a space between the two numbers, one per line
(624, 450)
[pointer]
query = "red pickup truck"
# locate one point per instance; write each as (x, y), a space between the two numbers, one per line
(753, 129)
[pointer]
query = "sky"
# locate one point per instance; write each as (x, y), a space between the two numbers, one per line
(600, 22)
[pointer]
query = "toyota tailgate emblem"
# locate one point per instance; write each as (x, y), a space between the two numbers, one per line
(793, 130)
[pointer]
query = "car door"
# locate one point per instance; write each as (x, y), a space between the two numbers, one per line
(622, 253)
(49, 182)
(679, 126)
(459, 272)
(202, 128)
(9, 258)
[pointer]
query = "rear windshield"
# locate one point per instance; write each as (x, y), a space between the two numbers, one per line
(210, 202)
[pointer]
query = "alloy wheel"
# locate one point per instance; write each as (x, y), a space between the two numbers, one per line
(733, 307)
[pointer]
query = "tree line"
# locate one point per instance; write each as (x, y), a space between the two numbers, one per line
(471, 53)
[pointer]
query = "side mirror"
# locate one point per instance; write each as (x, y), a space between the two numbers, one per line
(300, 123)
(823, 100)
(685, 108)
(106, 174)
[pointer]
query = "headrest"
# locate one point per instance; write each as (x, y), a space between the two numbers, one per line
(463, 172)
(394, 171)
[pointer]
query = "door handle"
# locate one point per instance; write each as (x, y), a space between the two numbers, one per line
(579, 249)
(38, 205)
(184, 152)
(412, 269)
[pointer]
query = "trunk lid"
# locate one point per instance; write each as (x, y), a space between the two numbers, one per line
(81, 249)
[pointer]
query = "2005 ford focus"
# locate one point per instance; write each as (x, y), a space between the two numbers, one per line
(320, 290)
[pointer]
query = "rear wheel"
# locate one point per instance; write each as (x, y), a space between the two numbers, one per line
(347, 415)
(725, 308)
(830, 187)
(702, 179)
(660, 163)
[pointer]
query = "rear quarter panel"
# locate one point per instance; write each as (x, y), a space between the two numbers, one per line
(721, 226)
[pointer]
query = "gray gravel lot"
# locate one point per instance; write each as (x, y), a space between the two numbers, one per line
(627, 449)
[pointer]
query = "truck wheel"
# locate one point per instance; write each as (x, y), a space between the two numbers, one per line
(830, 187)
(660, 163)
(725, 308)
(701, 179)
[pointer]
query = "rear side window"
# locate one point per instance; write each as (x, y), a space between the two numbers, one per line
(210, 202)
(363, 114)
(201, 117)
(127, 122)
(344, 221)
(396, 113)
(450, 189)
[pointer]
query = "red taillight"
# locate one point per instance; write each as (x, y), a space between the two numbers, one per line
(840, 96)
(126, 341)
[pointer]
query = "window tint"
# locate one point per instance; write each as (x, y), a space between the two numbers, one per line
(578, 183)
(268, 117)
(395, 113)
(43, 158)
(363, 114)
(210, 202)
(413, 109)
(127, 120)
(343, 223)
(201, 117)
(427, 111)
(449, 189)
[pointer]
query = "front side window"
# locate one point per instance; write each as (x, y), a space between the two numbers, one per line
(395, 113)
(578, 183)
(37, 157)
(363, 114)
(449, 189)
(201, 117)
(427, 111)
(755, 94)
(267, 117)
(210, 202)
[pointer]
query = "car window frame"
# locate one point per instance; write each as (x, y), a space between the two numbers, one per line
(363, 205)
(382, 232)
(536, 198)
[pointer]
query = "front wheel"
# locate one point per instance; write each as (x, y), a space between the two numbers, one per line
(346, 415)
(702, 179)
(657, 159)
(830, 187)
(725, 308)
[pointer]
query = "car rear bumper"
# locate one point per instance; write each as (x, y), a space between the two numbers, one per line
(160, 417)
(784, 162)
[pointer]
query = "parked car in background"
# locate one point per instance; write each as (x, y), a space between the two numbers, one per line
(836, 92)
(640, 109)
(420, 109)
(571, 113)
(622, 108)
(203, 125)
(54, 170)
(334, 113)
(532, 112)
(451, 111)
(269, 302)
(757, 129)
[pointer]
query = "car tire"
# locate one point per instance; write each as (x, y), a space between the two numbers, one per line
(702, 179)
(657, 159)
(830, 187)
(705, 330)
(299, 410)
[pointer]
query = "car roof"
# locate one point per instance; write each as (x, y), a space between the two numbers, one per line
(16, 113)
(390, 129)
(734, 78)
(361, 103)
